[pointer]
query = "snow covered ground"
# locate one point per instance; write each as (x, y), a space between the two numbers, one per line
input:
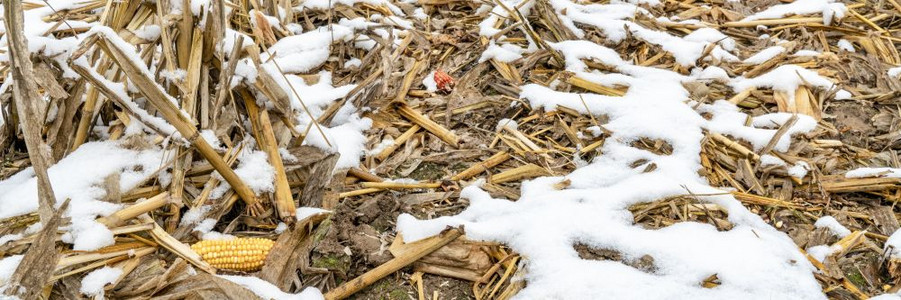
(752, 260)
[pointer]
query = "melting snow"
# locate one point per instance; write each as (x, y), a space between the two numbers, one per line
(753, 260)
(93, 283)
(8, 266)
(845, 45)
(79, 177)
(764, 55)
(545, 223)
(266, 290)
(893, 244)
(874, 172)
(827, 8)
(829, 222)
(894, 72)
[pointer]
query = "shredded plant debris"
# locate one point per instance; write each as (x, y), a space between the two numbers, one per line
(442, 149)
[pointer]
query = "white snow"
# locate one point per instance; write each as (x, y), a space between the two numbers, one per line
(210, 137)
(806, 53)
(345, 133)
(231, 37)
(874, 172)
(47, 45)
(132, 54)
(728, 120)
(347, 139)
(845, 45)
(266, 290)
(420, 14)
(398, 22)
(93, 283)
(120, 90)
(829, 9)
(595, 131)
(254, 14)
(820, 252)
(79, 177)
(194, 215)
(195, 6)
(842, 95)
(799, 170)
(509, 123)
(353, 63)
(85, 234)
(364, 41)
(149, 32)
(711, 35)
(281, 227)
(894, 72)
(429, 82)
(893, 244)
(710, 73)
(8, 266)
(205, 228)
(612, 20)
(254, 170)
(769, 160)
(503, 53)
(381, 146)
(286, 155)
(498, 12)
(786, 78)
(764, 55)
(10, 238)
(829, 222)
(304, 52)
(306, 212)
(403, 180)
(326, 4)
(545, 222)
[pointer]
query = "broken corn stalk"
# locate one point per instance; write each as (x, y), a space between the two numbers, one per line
(445, 135)
(241, 254)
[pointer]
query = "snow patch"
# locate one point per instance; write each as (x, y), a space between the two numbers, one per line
(830, 223)
(266, 290)
(93, 283)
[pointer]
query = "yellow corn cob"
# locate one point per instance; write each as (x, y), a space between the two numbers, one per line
(241, 254)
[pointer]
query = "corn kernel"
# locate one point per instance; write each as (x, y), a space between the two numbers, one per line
(241, 254)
